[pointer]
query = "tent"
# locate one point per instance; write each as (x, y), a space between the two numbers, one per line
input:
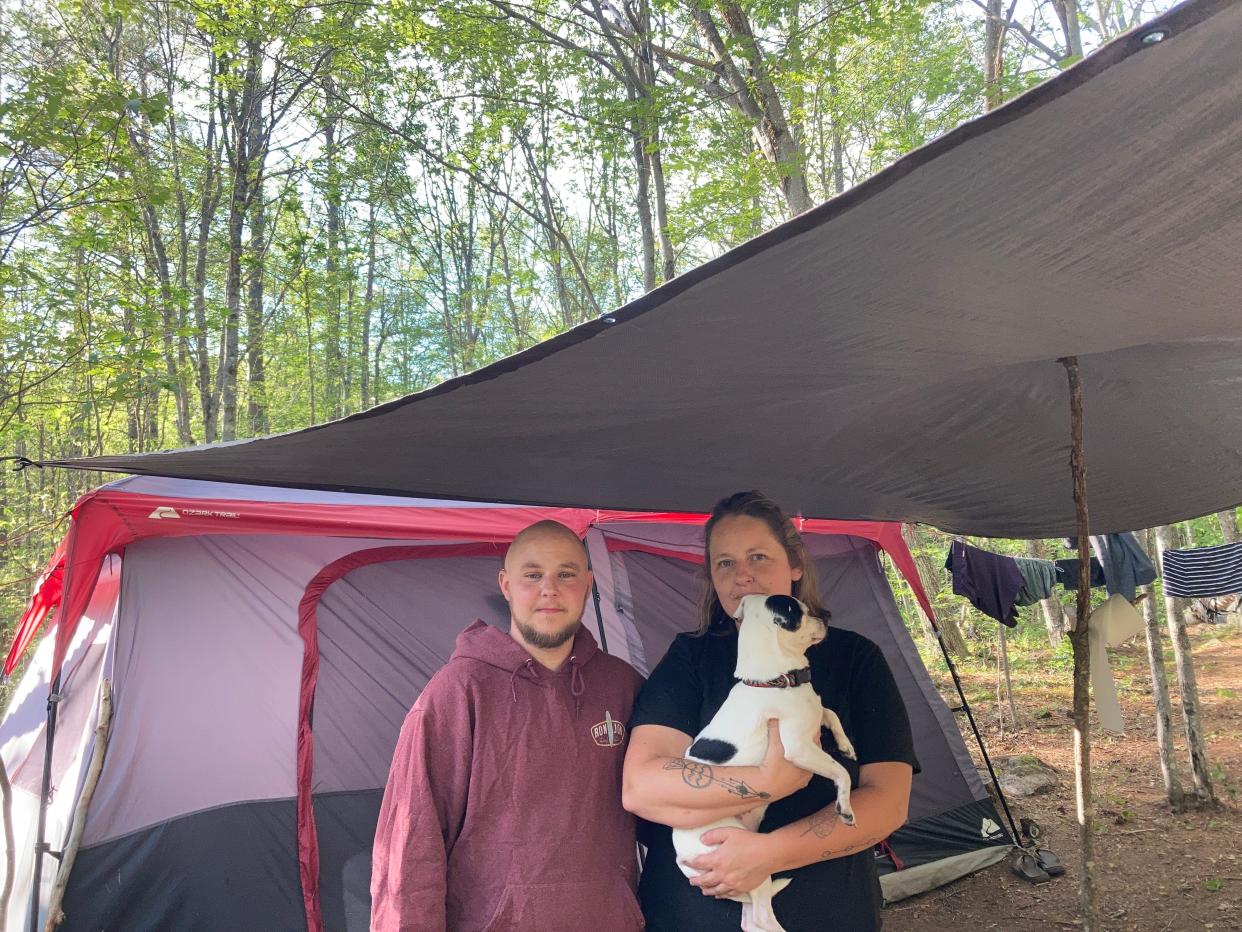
(891, 354)
(263, 646)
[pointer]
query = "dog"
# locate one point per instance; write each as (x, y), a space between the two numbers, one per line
(775, 632)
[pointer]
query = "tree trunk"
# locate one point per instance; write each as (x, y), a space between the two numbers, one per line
(838, 142)
(1054, 614)
(255, 337)
(1229, 525)
(993, 54)
(1067, 13)
(1186, 685)
(668, 259)
(642, 166)
(243, 109)
(368, 303)
(310, 344)
(209, 199)
(930, 575)
(1160, 696)
(171, 318)
(754, 95)
(332, 406)
(1004, 683)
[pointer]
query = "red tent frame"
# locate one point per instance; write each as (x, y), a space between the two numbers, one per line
(108, 520)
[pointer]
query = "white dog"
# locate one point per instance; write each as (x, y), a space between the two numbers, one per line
(775, 683)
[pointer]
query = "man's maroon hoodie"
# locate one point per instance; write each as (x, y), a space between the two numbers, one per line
(503, 805)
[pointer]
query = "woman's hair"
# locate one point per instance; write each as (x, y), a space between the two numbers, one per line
(754, 504)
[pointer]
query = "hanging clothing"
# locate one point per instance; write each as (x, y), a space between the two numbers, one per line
(1067, 573)
(1125, 563)
(1040, 576)
(1203, 572)
(990, 581)
(1111, 624)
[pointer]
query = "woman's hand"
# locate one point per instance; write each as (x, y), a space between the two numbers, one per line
(780, 778)
(741, 863)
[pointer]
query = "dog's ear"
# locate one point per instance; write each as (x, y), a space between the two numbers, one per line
(741, 608)
(786, 611)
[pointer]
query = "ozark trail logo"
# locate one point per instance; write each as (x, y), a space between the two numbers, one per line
(164, 511)
(608, 733)
(989, 829)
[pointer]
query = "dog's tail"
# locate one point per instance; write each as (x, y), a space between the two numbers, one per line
(779, 884)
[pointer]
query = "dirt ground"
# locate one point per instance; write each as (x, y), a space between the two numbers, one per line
(1156, 871)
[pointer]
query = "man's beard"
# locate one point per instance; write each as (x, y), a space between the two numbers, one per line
(550, 640)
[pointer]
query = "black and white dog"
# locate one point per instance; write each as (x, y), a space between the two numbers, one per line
(775, 632)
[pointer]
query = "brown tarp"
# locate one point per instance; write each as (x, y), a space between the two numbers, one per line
(891, 354)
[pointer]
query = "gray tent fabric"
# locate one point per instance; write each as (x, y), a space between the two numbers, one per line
(891, 354)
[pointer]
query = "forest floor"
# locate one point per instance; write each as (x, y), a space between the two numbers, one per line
(1155, 871)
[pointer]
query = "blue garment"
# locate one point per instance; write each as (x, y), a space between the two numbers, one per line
(990, 581)
(1067, 573)
(1125, 565)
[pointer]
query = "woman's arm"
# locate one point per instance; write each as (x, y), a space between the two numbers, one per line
(660, 785)
(744, 859)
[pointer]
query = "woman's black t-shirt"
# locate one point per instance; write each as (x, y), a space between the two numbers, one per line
(685, 690)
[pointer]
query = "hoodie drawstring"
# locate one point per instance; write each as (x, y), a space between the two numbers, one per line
(530, 668)
(576, 685)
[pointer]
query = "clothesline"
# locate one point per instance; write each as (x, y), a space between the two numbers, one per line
(998, 584)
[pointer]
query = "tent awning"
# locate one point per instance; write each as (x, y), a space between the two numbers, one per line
(891, 354)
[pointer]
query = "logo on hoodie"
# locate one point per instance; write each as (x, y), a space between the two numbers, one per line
(608, 733)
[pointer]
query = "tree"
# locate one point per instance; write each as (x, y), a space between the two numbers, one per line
(1186, 684)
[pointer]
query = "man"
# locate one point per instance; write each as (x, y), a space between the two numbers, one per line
(503, 805)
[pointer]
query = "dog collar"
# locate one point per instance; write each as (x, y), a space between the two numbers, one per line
(784, 681)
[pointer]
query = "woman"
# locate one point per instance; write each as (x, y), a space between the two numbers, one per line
(752, 547)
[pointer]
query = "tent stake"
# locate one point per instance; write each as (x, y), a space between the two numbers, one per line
(1082, 669)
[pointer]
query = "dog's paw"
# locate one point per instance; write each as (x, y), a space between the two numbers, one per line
(846, 813)
(847, 750)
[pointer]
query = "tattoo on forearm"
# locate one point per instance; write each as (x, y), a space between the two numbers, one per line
(842, 852)
(701, 776)
(821, 824)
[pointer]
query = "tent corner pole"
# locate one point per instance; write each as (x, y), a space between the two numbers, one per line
(599, 615)
(983, 750)
(53, 699)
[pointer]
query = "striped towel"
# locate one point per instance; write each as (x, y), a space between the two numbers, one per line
(1203, 572)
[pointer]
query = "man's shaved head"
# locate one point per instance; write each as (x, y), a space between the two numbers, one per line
(543, 530)
(546, 580)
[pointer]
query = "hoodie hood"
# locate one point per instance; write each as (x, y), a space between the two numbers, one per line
(490, 645)
(496, 648)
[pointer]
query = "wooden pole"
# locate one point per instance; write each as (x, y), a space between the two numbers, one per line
(1082, 660)
(10, 846)
(102, 729)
